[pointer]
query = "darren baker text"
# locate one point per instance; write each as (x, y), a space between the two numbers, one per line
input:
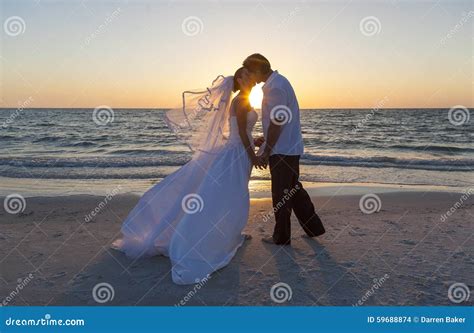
(443, 320)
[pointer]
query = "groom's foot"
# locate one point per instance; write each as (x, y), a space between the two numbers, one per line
(269, 240)
(320, 231)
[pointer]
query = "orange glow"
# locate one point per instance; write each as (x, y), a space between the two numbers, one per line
(256, 96)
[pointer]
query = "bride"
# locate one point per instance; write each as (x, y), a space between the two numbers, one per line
(196, 215)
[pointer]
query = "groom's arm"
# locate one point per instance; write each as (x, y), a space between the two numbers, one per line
(272, 138)
(277, 101)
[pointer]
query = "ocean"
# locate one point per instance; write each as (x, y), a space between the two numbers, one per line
(389, 146)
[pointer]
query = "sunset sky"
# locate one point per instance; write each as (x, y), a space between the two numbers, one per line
(143, 54)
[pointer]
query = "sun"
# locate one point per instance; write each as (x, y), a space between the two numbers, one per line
(256, 96)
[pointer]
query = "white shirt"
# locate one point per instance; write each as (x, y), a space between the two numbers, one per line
(279, 96)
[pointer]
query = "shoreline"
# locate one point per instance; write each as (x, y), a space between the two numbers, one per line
(29, 187)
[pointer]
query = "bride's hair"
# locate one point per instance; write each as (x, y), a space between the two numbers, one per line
(238, 75)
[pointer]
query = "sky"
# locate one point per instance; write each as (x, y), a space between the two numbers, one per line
(143, 54)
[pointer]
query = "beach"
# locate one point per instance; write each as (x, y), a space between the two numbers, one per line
(408, 249)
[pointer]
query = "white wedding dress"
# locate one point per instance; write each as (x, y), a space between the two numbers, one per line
(196, 215)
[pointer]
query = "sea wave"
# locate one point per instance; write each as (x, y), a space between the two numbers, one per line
(428, 148)
(79, 144)
(95, 162)
(48, 139)
(464, 164)
(163, 158)
(145, 152)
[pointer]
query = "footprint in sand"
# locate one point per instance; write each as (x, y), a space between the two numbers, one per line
(407, 242)
(58, 275)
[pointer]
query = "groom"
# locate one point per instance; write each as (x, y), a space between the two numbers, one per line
(283, 148)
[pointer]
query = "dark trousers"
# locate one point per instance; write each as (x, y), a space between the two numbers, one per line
(287, 195)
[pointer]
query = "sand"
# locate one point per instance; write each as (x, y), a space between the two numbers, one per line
(50, 255)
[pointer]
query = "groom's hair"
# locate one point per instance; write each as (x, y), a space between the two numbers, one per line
(257, 63)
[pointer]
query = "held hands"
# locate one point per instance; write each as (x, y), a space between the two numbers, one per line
(261, 162)
(258, 141)
(257, 163)
(263, 159)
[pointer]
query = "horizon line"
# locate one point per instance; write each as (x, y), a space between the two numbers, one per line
(306, 108)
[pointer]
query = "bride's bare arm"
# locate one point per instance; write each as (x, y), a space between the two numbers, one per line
(242, 108)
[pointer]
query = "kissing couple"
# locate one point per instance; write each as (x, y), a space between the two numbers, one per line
(196, 215)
